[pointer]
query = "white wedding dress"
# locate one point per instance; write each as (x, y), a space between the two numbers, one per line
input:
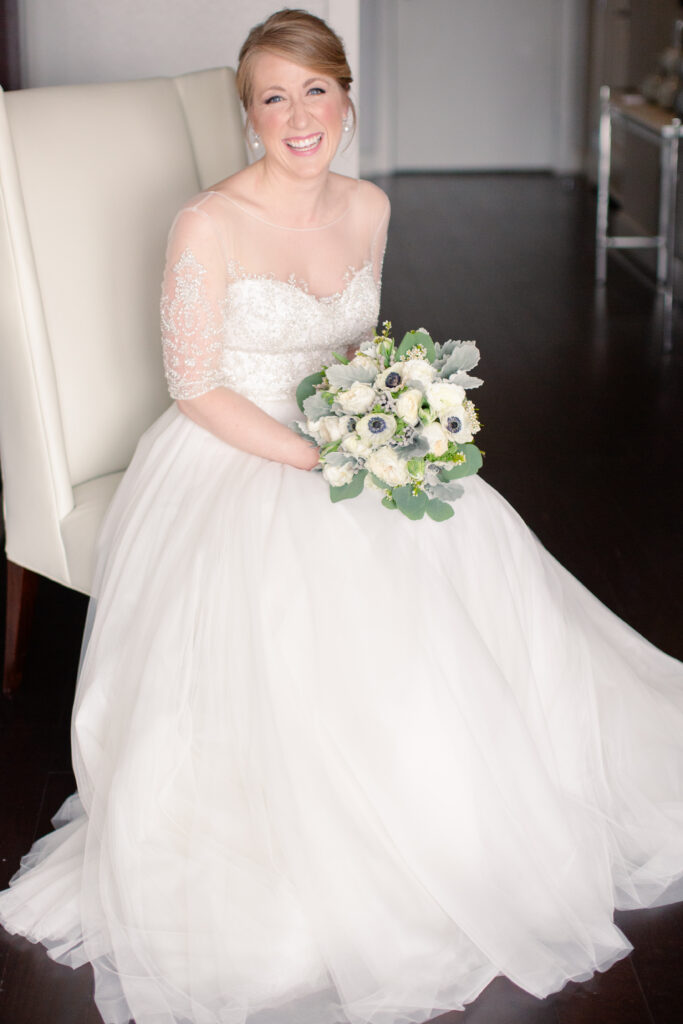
(334, 765)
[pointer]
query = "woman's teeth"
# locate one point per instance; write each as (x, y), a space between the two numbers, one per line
(301, 145)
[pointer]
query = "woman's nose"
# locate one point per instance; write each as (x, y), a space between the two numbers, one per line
(298, 116)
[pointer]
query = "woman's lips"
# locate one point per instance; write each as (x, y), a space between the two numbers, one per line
(305, 144)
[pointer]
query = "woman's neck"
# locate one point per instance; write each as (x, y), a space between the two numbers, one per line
(294, 201)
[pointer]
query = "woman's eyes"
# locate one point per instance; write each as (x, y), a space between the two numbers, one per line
(315, 90)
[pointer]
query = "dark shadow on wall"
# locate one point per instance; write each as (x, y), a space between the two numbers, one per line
(10, 76)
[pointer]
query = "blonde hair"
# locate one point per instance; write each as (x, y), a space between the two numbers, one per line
(300, 37)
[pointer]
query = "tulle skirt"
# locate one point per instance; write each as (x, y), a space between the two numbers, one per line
(338, 766)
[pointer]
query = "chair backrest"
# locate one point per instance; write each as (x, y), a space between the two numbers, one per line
(90, 179)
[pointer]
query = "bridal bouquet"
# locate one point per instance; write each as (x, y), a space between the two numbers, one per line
(396, 419)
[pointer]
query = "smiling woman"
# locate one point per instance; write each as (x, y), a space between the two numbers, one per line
(334, 765)
(295, 113)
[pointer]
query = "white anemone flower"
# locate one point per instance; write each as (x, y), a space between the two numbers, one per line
(376, 428)
(392, 378)
(460, 422)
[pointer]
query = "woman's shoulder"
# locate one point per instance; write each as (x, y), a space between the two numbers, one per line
(365, 195)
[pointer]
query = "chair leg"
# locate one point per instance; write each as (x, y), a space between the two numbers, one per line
(22, 585)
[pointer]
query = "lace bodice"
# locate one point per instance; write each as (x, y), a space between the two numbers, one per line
(255, 307)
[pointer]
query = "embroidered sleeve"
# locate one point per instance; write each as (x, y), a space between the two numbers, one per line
(192, 302)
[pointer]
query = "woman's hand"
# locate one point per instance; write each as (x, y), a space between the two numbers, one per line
(309, 459)
(242, 424)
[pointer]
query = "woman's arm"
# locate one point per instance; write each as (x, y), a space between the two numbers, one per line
(242, 424)
(193, 294)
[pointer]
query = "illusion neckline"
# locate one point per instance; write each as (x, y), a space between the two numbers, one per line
(281, 227)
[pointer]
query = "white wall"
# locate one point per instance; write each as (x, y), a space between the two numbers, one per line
(469, 84)
(70, 41)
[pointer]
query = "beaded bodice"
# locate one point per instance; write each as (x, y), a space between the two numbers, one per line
(259, 332)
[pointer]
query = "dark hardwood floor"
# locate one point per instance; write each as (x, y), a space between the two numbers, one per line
(583, 433)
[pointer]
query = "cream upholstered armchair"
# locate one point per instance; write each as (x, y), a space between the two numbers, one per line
(90, 179)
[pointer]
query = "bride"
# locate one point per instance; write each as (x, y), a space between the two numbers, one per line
(332, 765)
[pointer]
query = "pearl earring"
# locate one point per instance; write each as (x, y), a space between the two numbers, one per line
(347, 121)
(253, 138)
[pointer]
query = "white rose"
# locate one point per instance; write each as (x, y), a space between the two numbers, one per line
(389, 467)
(408, 405)
(365, 361)
(311, 427)
(337, 476)
(376, 428)
(327, 428)
(357, 399)
(460, 422)
(355, 446)
(442, 396)
(419, 370)
(436, 436)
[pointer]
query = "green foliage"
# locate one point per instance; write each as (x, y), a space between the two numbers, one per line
(408, 502)
(413, 338)
(416, 467)
(351, 490)
(307, 387)
(439, 511)
(389, 502)
(341, 359)
(472, 464)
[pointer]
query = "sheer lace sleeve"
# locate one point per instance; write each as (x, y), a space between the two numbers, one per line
(193, 296)
(379, 240)
(380, 213)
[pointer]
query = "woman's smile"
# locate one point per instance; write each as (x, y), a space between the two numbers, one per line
(304, 144)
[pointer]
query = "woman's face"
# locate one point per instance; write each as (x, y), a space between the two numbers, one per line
(298, 114)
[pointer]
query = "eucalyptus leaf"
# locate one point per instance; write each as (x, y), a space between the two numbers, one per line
(413, 338)
(411, 505)
(449, 491)
(351, 490)
(341, 376)
(472, 464)
(439, 511)
(307, 387)
(316, 406)
(389, 502)
(465, 356)
(415, 450)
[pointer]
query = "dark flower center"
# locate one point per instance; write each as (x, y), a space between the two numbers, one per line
(393, 379)
(351, 425)
(376, 425)
(454, 424)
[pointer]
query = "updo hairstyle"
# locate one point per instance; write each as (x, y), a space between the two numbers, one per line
(300, 37)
